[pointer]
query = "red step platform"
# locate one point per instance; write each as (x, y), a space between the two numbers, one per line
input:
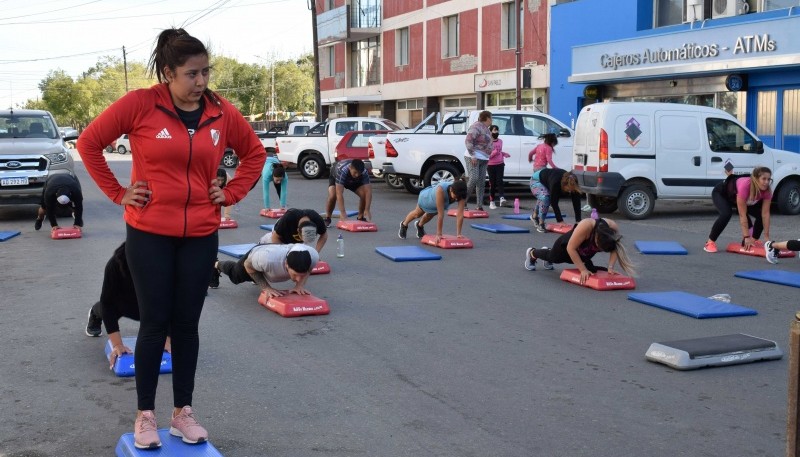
(756, 250)
(353, 225)
(321, 268)
(294, 305)
(559, 227)
(229, 224)
(274, 213)
(448, 242)
(468, 213)
(65, 233)
(600, 280)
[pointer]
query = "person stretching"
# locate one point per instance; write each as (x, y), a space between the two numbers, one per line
(352, 175)
(274, 173)
(269, 263)
(580, 244)
(435, 200)
(555, 182)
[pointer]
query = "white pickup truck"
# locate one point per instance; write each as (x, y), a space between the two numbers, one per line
(440, 156)
(269, 137)
(312, 153)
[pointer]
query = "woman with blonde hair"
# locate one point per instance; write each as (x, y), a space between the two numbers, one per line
(751, 195)
(555, 183)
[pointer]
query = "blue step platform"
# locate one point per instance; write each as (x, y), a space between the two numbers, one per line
(500, 228)
(269, 227)
(406, 253)
(660, 247)
(690, 304)
(171, 446)
(124, 367)
(350, 213)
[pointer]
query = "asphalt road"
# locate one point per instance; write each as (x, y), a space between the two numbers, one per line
(468, 356)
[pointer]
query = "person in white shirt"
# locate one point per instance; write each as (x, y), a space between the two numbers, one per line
(266, 264)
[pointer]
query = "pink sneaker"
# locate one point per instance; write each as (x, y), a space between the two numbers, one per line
(145, 432)
(185, 426)
(710, 247)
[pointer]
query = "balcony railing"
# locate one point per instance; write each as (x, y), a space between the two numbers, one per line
(365, 14)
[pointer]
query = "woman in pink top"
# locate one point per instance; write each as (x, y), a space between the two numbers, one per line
(753, 196)
(542, 155)
(496, 167)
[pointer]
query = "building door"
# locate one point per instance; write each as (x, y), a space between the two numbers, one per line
(778, 118)
(414, 117)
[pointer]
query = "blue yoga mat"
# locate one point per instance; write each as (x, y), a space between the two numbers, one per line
(8, 235)
(691, 305)
(269, 227)
(785, 278)
(660, 247)
(500, 228)
(406, 253)
(236, 250)
(124, 367)
(170, 446)
(527, 216)
(350, 213)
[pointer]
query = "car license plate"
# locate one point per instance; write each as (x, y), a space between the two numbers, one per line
(14, 182)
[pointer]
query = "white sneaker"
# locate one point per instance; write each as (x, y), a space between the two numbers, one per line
(771, 254)
(491, 205)
(530, 264)
(502, 200)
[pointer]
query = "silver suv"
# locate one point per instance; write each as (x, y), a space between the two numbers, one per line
(31, 149)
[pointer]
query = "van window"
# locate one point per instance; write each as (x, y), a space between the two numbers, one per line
(504, 123)
(727, 136)
(537, 126)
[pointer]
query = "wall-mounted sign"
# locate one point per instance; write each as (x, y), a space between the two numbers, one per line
(591, 92)
(735, 83)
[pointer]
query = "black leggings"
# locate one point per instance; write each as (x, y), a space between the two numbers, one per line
(171, 276)
(235, 271)
(496, 173)
(725, 209)
(558, 254)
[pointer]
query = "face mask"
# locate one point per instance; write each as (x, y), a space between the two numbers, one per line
(495, 135)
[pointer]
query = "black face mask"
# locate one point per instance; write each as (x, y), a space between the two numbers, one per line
(495, 135)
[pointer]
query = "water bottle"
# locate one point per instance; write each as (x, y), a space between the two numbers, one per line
(725, 298)
(340, 246)
(516, 206)
(594, 214)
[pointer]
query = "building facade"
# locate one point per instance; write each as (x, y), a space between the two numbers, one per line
(737, 55)
(403, 59)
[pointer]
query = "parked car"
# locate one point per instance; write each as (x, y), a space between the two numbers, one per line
(355, 145)
(229, 159)
(377, 153)
(626, 155)
(123, 144)
(439, 156)
(312, 152)
(31, 149)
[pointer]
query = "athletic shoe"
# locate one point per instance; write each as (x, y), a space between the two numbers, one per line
(185, 426)
(38, 224)
(502, 200)
(530, 263)
(492, 205)
(710, 247)
(93, 327)
(480, 208)
(214, 277)
(549, 265)
(587, 208)
(327, 222)
(362, 219)
(541, 228)
(145, 431)
(420, 230)
(770, 253)
(402, 232)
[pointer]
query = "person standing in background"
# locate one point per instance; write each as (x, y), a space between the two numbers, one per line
(479, 146)
(496, 167)
(179, 129)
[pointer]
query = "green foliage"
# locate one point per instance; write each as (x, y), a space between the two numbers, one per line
(76, 101)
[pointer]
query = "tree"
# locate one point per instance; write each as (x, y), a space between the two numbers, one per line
(242, 84)
(294, 85)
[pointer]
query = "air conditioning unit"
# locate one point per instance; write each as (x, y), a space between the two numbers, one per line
(694, 10)
(727, 8)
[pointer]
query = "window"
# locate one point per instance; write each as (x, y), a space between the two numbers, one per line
(538, 126)
(450, 36)
(504, 122)
(327, 62)
(509, 26)
(345, 126)
(365, 63)
(463, 103)
(414, 103)
(367, 125)
(401, 47)
(669, 12)
(779, 4)
(727, 136)
(329, 5)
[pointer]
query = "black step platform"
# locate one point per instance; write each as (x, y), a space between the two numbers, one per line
(713, 351)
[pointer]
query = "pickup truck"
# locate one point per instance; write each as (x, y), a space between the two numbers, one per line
(269, 137)
(439, 156)
(312, 153)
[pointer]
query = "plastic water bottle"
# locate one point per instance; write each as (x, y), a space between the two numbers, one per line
(721, 297)
(340, 246)
(516, 206)
(594, 214)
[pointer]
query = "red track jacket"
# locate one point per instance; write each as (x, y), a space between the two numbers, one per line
(177, 167)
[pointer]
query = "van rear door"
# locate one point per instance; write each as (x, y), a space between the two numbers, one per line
(681, 160)
(586, 141)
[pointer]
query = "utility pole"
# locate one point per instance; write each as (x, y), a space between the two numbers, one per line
(125, 65)
(518, 54)
(317, 97)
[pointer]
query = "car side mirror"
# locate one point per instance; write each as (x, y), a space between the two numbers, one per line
(70, 137)
(564, 133)
(759, 147)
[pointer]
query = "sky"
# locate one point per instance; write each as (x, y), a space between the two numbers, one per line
(38, 36)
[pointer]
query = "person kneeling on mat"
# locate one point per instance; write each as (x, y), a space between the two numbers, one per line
(117, 300)
(580, 244)
(60, 190)
(772, 249)
(269, 263)
(353, 176)
(435, 200)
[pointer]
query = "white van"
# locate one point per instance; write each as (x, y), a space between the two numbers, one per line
(627, 154)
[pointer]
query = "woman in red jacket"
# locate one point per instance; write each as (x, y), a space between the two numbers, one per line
(179, 130)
